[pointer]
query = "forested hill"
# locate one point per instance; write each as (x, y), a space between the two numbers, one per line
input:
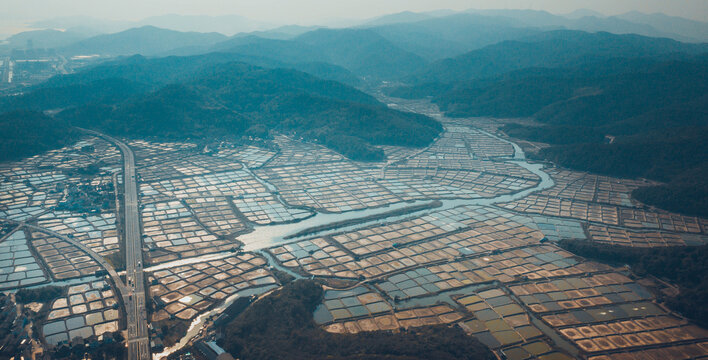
(280, 326)
(115, 81)
(657, 117)
(553, 49)
(649, 96)
(27, 133)
(443, 37)
(110, 90)
(608, 95)
(362, 52)
(171, 69)
(180, 98)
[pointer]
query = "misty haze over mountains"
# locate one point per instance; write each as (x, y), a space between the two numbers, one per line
(58, 32)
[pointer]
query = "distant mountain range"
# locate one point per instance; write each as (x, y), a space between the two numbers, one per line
(690, 29)
(146, 40)
(225, 24)
(442, 37)
(362, 52)
(561, 48)
(48, 38)
(402, 17)
(431, 35)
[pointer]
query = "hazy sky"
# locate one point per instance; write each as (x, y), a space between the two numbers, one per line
(314, 11)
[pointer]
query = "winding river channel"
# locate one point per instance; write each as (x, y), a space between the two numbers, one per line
(263, 237)
(268, 236)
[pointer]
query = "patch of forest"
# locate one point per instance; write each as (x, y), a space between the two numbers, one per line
(44, 294)
(280, 326)
(210, 97)
(28, 133)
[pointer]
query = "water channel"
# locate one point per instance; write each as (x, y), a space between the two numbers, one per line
(268, 236)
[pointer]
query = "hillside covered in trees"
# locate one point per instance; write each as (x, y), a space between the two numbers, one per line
(638, 111)
(204, 97)
(236, 99)
(551, 49)
(28, 133)
(280, 326)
